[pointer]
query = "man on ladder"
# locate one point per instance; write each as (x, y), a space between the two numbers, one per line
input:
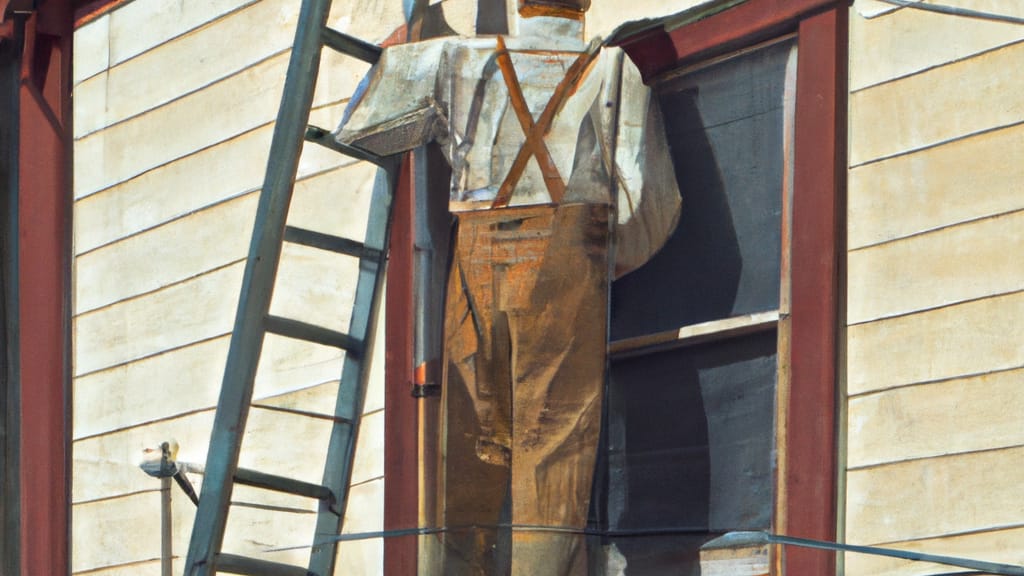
(561, 180)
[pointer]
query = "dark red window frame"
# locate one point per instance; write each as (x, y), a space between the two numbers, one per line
(401, 412)
(808, 452)
(37, 257)
(808, 448)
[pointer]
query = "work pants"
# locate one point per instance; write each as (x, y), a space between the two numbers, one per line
(526, 335)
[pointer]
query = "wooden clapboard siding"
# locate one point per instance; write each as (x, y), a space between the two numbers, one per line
(961, 340)
(116, 531)
(277, 442)
(933, 497)
(991, 545)
(217, 236)
(184, 248)
(143, 568)
(91, 49)
(960, 415)
(938, 105)
(112, 399)
(130, 29)
(198, 59)
(356, 555)
(194, 61)
(141, 25)
(207, 176)
(934, 343)
(105, 465)
(905, 42)
(223, 110)
(193, 310)
(175, 104)
(315, 286)
(956, 264)
(938, 187)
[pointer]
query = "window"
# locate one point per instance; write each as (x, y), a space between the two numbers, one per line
(720, 414)
(721, 409)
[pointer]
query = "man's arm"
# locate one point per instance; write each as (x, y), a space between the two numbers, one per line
(648, 195)
(396, 108)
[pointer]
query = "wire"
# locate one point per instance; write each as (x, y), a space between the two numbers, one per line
(748, 538)
(514, 527)
(955, 11)
(983, 567)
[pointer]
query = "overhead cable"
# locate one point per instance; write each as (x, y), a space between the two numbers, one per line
(749, 538)
(955, 11)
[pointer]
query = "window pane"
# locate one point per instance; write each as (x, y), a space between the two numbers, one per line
(725, 129)
(689, 438)
(690, 434)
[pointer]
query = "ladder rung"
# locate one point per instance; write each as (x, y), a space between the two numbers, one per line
(323, 137)
(323, 241)
(282, 484)
(312, 333)
(350, 45)
(234, 564)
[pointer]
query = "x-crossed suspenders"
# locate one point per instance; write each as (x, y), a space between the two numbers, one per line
(535, 132)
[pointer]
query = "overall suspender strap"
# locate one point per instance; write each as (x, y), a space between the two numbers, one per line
(535, 132)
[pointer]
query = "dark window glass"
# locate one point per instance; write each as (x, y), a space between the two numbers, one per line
(689, 432)
(690, 436)
(725, 129)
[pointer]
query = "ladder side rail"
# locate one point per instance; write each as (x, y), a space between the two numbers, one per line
(355, 373)
(257, 289)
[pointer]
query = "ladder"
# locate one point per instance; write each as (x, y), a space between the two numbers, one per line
(253, 321)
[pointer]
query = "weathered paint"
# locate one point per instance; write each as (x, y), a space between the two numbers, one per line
(818, 199)
(662, 48)
(43, 244)
(401, 463)
(933, 334)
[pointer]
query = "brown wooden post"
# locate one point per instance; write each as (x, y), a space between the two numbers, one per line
(819, 180)
(41, 279)
(400, 408)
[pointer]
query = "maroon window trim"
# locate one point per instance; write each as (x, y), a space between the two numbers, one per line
(663, 48)
(43, 288)
(818, 201)
(401, 412)
(808, 445)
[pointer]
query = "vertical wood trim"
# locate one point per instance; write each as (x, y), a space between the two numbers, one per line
(400, 408)
(810, 474)
(44, 270)
(10, 91)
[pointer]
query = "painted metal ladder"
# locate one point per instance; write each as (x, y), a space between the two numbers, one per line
(253, 321)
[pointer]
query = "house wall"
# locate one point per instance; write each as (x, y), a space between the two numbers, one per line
(174, 109)
(935, 358)
(174, 105)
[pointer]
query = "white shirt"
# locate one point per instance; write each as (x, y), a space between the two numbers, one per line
(607, 140)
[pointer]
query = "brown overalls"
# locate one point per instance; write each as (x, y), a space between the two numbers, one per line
(525, 338)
